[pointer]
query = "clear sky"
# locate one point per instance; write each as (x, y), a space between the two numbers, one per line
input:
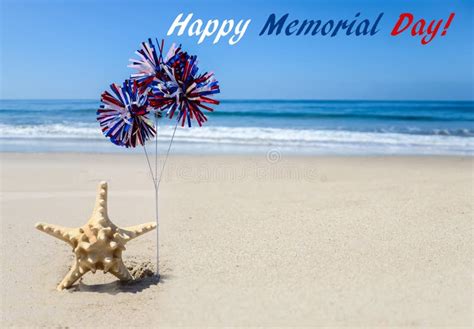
(75, 49)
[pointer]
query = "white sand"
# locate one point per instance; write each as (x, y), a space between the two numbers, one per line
(350, 242)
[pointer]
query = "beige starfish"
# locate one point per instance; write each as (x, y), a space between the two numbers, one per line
(98, 245)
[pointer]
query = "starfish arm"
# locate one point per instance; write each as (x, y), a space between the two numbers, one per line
(74, 274)
(132, 232)
(62, 233)
(100, 207)
(121, 272)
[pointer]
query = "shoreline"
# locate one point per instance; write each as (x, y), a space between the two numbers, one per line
(138, 152)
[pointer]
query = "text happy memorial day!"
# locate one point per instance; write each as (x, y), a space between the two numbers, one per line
(424, 28)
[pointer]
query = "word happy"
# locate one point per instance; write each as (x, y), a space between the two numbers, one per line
(234, 31)
(203, 31)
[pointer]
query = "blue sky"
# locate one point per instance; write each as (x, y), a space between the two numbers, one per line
(75, 49)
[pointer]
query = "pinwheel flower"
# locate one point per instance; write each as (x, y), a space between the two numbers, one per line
(185, 91)
(173, 83)
(150, 65)
(123, 116)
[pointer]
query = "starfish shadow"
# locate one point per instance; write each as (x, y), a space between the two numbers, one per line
(116, 287)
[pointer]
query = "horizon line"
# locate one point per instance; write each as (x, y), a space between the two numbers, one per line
(267, 99)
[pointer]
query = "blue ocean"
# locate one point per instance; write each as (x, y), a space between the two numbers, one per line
(253, 126)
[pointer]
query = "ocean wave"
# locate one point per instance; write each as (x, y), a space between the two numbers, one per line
(351, 111)
(252, 136)
(308, 113)
(322, 115)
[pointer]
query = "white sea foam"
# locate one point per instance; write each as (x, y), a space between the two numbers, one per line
(338, 141)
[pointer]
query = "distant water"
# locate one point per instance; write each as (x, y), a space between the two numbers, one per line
(247, 126)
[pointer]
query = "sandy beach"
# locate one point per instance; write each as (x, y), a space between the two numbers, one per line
(246, 241)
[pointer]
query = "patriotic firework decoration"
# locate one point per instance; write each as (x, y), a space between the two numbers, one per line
(174, 84)
(168, 83)
(186, 91)
(123, 117)
(150, 67)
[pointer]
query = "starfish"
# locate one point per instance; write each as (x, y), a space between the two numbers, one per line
(98, 245)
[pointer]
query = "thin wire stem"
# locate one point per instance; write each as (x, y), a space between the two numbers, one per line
(156, 148)
(156, 202)
(166, 157)
(156, 183)
(149, 166)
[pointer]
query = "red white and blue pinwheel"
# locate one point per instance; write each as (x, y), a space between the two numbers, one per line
(173, 82)
(123, 115)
